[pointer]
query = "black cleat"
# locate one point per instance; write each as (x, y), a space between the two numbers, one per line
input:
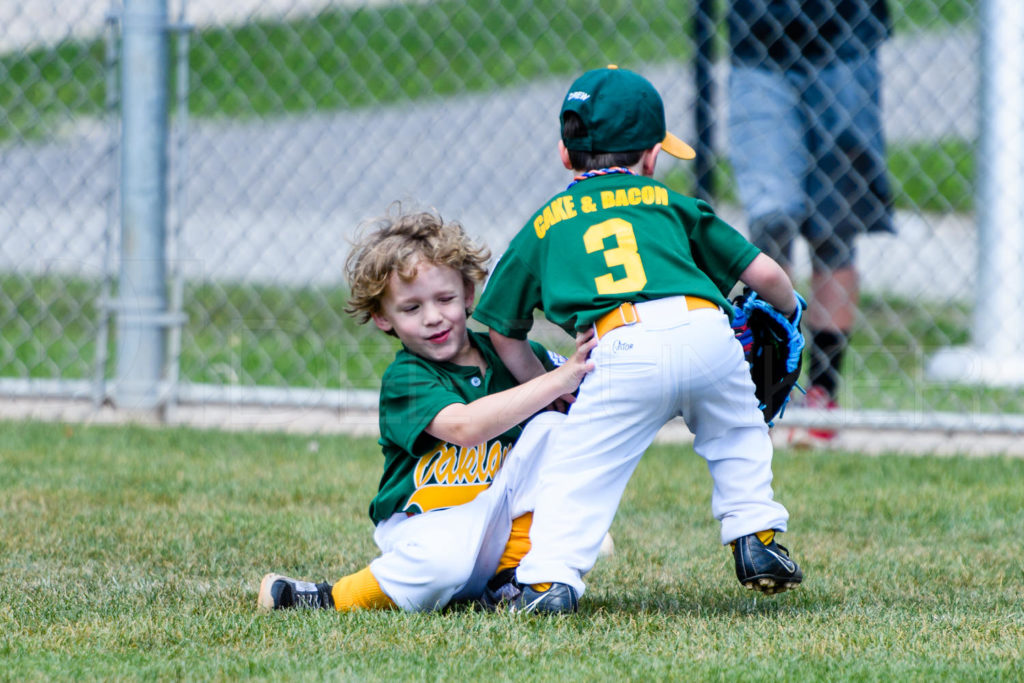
(559, 598)
(765, 568)
(280, 592)
(501, 590)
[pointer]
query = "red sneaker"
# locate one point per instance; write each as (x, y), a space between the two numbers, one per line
(818, 398)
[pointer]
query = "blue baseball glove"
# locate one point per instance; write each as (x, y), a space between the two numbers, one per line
(773, 346)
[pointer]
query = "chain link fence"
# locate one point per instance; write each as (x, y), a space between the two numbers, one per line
(293, 121)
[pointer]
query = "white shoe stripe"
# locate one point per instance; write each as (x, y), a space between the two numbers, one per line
(789, 564)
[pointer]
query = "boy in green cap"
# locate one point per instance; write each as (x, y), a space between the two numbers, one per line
(650, 271)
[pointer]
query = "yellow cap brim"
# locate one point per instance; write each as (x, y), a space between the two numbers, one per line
(677, 147)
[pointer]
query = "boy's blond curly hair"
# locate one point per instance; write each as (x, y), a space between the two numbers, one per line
(395, 243)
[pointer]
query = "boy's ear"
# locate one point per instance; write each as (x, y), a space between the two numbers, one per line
(382, 323)
(564, 154)
(650, 160)
(470, 291)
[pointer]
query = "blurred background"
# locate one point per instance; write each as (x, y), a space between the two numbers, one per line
(179, 182)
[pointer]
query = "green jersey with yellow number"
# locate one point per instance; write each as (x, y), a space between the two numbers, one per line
(422, 472)
(607, 240)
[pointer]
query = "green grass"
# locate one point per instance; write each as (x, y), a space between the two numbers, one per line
(136, 553)
(44, 87)
(935, 177)
(247, 334)
(277, 336)
(351, 58)
(911, 15)
(47, 326)
(344, 58)
(280, 336)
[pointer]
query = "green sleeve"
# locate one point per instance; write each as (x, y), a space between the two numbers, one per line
(410, 397)
(510, 297)
(718, 248)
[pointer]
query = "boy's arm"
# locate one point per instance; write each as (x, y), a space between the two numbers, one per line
(524, 365)
(517, 356)
(469, 424)
(766, 277)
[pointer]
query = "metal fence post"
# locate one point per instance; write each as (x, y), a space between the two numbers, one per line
(704, 37)
(142, 297)
(182, 32)
(110, 66)
(996, 354)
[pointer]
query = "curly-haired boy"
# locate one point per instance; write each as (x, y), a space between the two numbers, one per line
(453, 505)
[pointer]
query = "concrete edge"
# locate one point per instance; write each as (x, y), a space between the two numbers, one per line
(364, 423)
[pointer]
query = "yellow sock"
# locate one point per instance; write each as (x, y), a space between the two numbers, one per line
(359, 591)
(518, 545)
(518, 542)
(766, 537)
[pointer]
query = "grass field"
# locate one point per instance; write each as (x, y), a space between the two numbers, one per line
(936, 177)
(133, 553)
(277, 336)
(351, 58)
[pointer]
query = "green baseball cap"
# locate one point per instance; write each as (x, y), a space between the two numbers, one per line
(622, 112)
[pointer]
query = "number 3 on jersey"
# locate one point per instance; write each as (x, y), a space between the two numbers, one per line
(623, 254)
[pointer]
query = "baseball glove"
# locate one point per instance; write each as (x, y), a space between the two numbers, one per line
(773, 346)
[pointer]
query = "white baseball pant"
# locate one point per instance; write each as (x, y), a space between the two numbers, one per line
(673, 362)
(430, 559)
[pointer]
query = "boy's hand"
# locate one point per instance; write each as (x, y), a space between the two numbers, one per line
(575, 368)
(776, 350)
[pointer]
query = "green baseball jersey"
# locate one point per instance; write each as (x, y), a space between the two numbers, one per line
(607, 240)
(422, 472)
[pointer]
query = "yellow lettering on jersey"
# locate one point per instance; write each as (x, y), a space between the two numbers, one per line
(623, 254)
(449, 475)
(549, 216)
(634, 196)
(467, 466)
(569, 207)
(494, 460)
(557, 214)
(560, 209)
(540, 226)
(447, 466)
(426, 468)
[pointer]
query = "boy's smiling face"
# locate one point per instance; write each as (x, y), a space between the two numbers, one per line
(428, 313)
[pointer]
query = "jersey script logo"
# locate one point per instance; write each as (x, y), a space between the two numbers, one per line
(452, 475)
